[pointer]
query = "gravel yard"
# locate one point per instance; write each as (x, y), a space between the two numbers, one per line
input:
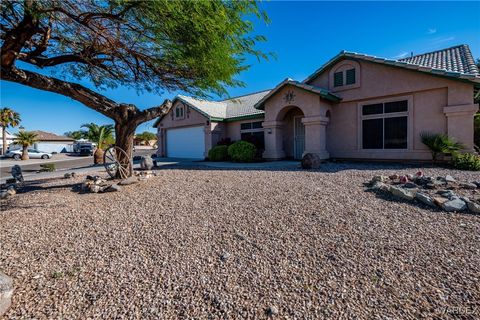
(239, 244)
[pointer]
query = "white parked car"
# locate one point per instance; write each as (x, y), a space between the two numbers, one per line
(32, 153)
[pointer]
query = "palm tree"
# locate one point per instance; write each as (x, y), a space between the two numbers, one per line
(101, 135)
(439, 143)
(8, 118)
(77, 135)
(26, 139)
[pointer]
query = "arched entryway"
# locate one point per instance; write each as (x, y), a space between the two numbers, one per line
(293, 132)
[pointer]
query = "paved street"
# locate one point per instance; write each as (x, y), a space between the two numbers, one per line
(62, 162)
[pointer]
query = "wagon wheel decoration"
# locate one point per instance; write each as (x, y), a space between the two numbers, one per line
(117, 163)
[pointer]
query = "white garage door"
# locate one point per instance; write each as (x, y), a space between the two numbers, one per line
(186, 143)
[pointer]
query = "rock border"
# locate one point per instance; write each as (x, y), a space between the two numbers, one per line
(439, 192)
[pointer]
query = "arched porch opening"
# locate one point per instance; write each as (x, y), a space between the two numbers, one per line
(293, 132)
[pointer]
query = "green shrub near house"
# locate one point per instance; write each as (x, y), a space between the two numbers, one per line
(218, 153)
(242, 151)
(466, 161)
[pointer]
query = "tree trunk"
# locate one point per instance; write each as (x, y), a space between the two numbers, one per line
(4, 146)
(124, 134)
(25, 153)
(98, 156)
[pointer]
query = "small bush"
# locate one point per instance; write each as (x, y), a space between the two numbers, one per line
(242, 151)
(48, 167)
(466, 161)
(218, 153)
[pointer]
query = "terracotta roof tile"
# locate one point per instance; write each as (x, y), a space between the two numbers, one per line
(456, 59)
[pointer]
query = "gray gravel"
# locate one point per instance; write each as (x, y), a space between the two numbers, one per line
(239, 244)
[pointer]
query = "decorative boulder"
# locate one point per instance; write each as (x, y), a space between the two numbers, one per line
(146, 163)
(403, 193)
(311, 161)
(456, 204)
(6, 292)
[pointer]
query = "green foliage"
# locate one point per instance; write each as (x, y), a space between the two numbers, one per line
(26, 138)
(47, 167)
(439, 143)
(77, 135)
(466, 161)
(9, 118)
(146, 137)
(101, 135)
(242, 151)
(195, 46)
(218, 153)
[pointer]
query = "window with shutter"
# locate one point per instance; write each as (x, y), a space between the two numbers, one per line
(338, 79)
(350, 76)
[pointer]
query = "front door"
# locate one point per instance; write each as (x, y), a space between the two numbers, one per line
(299, 138)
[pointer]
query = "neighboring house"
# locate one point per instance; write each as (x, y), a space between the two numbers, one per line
(10, 138)
(354, 106)
(50, 142)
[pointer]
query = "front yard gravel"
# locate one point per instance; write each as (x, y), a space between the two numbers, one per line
(235, 244)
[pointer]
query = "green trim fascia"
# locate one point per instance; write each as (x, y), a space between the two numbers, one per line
(239, 118)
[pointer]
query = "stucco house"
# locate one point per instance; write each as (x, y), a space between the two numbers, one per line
(51, 142)
(354, 106)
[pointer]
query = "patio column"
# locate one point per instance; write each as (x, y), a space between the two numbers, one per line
(460, 123)
(316, 136)
(273, 132)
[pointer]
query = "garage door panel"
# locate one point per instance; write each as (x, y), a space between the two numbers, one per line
(186, 143)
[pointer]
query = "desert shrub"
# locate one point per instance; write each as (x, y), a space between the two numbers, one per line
(218, 153)
(242, 151)
(47, 167)
(439, 143)
(466, 161)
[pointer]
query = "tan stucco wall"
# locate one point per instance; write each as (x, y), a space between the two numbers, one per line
(191, 118)
(435, 104)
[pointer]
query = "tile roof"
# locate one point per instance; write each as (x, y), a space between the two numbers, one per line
(456, 59)
(226, 109)
(429, 67)
(320, 91)
(48, 136)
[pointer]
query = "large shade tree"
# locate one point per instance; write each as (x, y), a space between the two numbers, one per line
(193, 46)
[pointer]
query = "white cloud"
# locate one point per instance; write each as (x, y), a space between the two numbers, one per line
(401, 55)
(431, 31)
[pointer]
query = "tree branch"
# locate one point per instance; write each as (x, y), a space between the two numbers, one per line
(152, 113)
(72, 90)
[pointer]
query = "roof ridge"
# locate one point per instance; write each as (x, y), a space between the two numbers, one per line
(244, 95)
(435, 51)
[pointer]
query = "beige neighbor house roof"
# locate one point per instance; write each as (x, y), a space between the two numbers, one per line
(43, 136)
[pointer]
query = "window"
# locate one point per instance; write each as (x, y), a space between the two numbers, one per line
(253, 132)
(179, 112)
(350, 76)
(251, 125)
(338, 79)
(385, 125)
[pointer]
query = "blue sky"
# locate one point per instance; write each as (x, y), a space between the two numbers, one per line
(303, 36)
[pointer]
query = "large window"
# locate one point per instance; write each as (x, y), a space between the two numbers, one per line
(253, 132)
(385, 125)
